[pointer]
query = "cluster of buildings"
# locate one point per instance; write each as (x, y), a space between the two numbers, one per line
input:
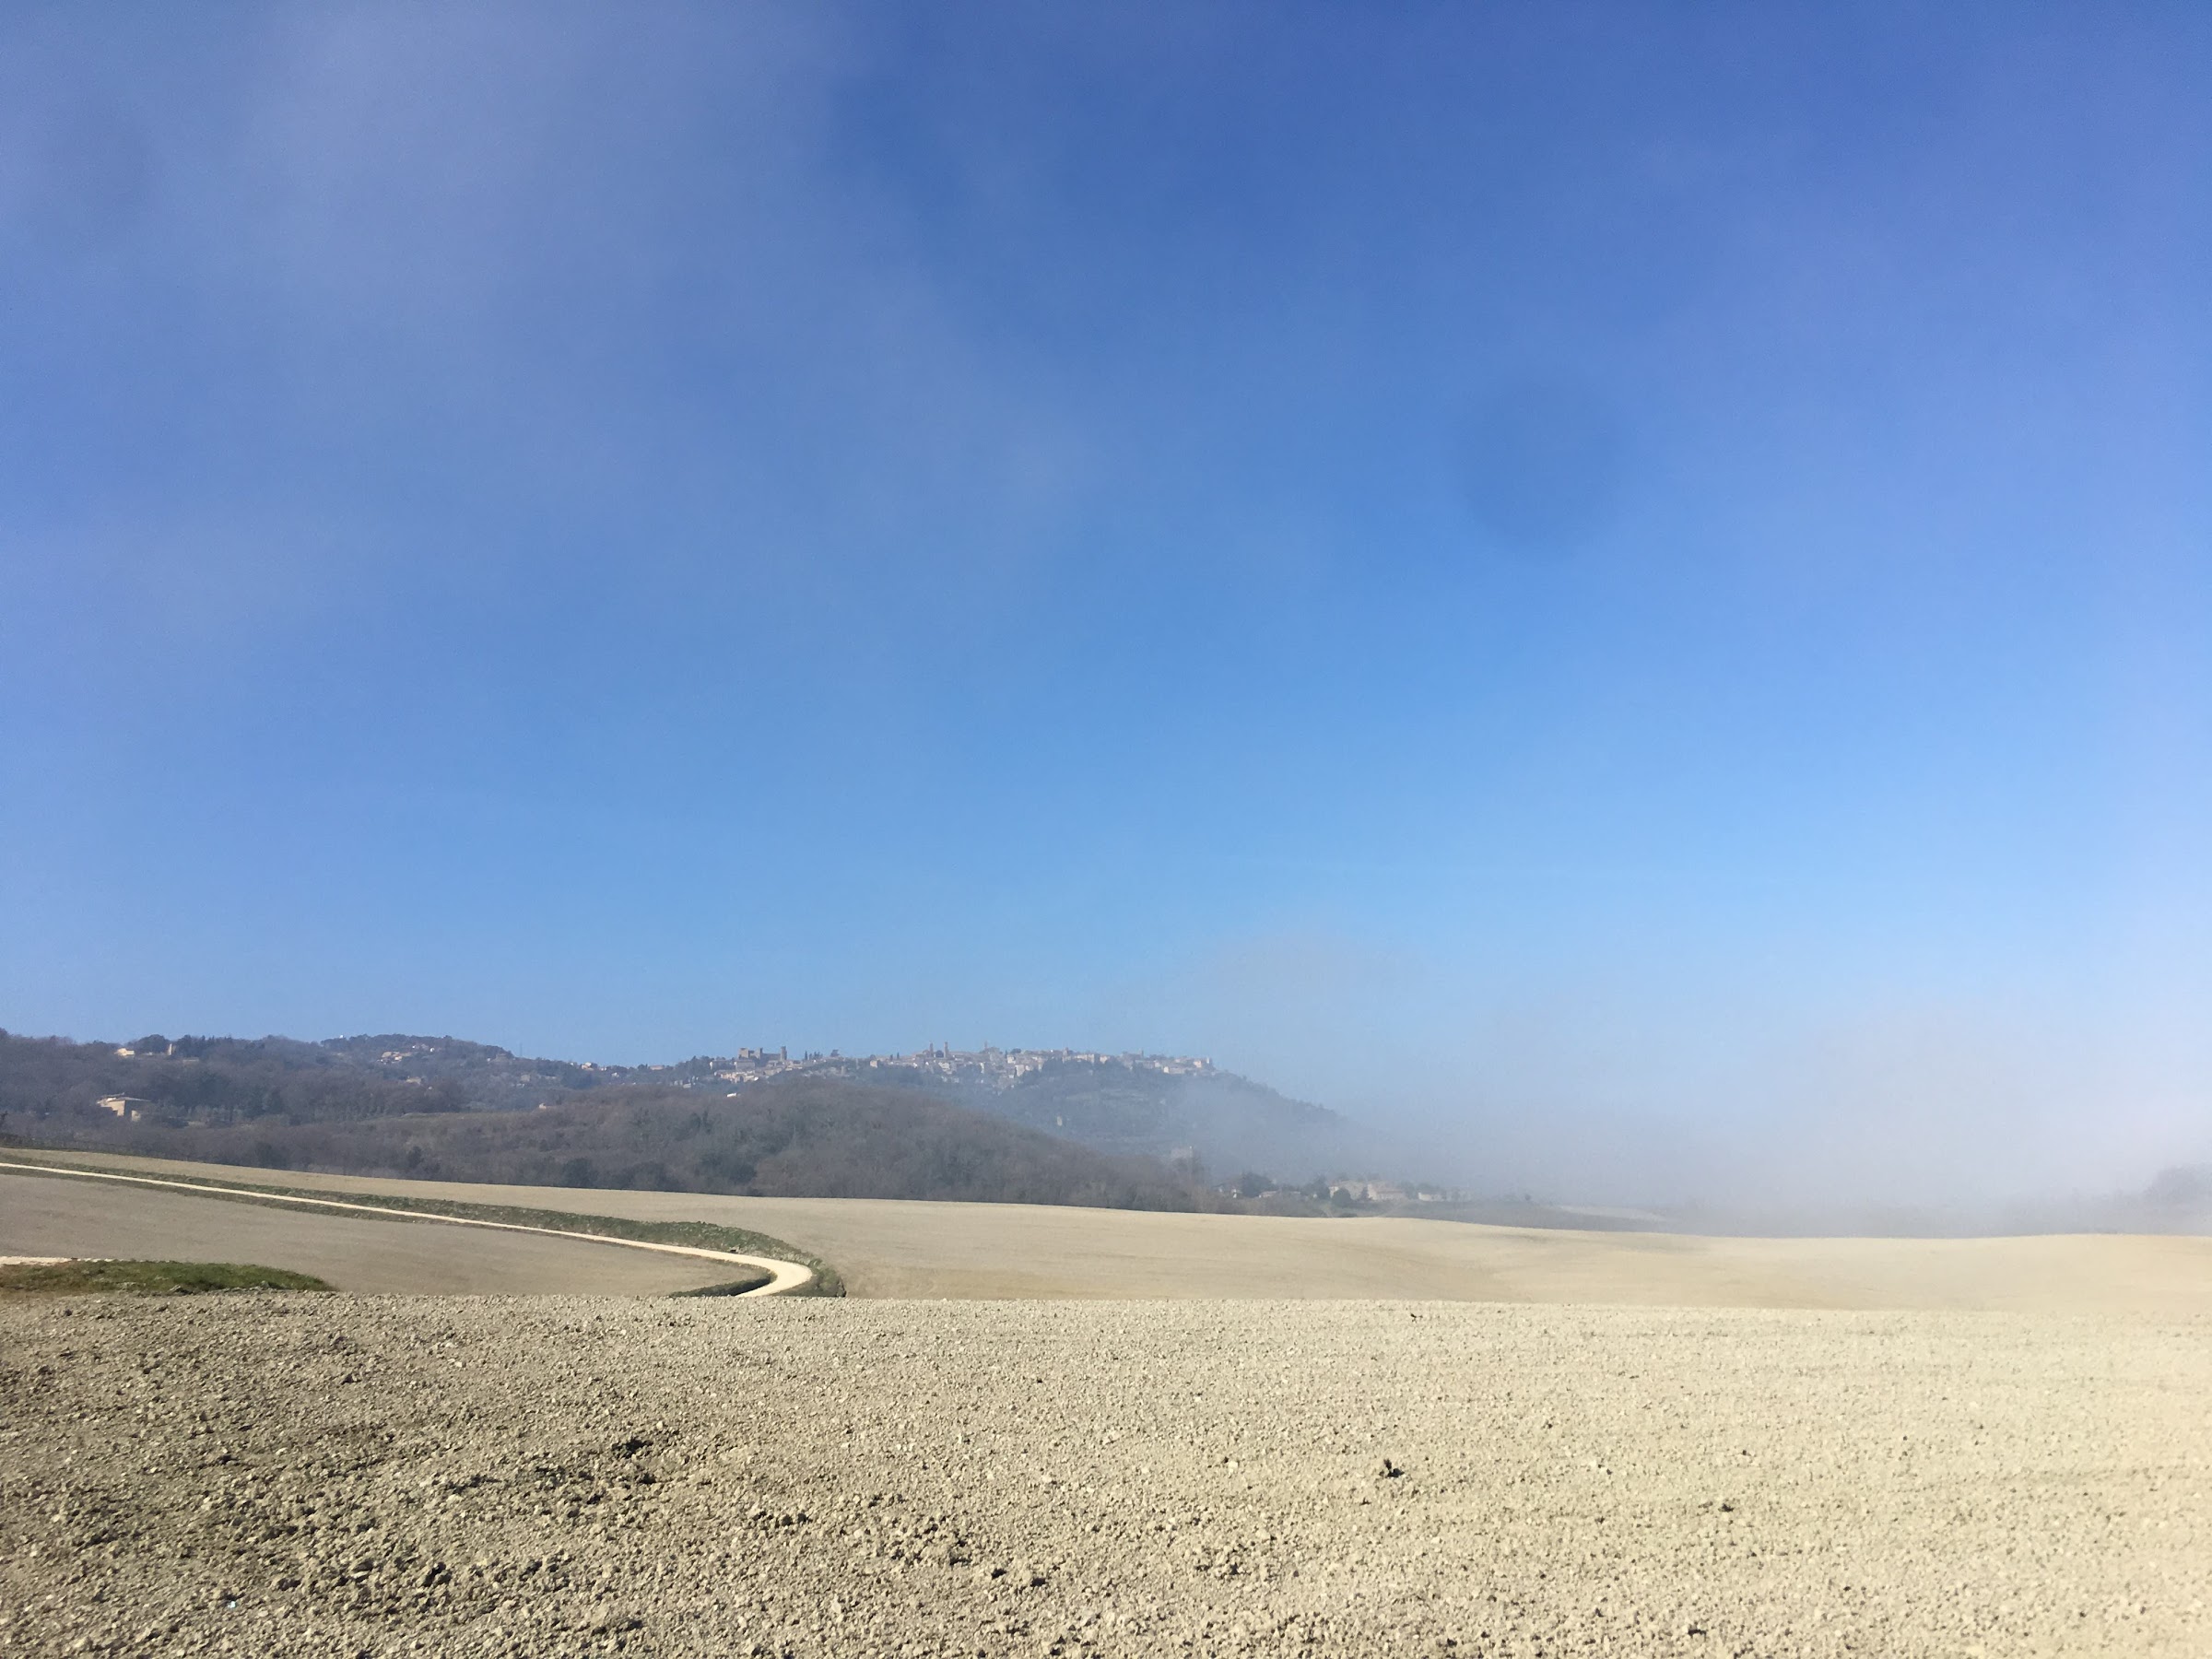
(1392, 1191)
(1353, 1189)
(993, 1067)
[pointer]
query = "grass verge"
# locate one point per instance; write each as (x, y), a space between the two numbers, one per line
(731, 1288)
(703, 1235)
(149, 1278)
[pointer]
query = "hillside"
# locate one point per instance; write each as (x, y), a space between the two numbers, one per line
(280, 1104)
(1227, 1123)
(1187, 1113)
(209, 1080)
(806, 1138)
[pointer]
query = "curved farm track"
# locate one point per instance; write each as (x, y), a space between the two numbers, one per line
(49, 1210)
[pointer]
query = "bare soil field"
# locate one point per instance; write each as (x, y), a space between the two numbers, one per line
(892, 1248)
(349, 1476)
(44, 1217)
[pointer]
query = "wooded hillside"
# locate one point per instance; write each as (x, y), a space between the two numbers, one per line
(281, 1105)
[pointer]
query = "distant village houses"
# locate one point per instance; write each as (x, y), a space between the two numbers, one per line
(991, 1066)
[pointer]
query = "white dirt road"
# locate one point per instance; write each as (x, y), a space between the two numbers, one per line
(163, 1217)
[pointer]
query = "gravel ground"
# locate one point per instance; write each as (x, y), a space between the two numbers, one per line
(287, 1475)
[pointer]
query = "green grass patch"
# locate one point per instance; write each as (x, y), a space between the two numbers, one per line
(737, 1286)
(702, 1235)
(149, 1278)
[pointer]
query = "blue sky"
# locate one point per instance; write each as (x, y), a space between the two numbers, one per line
(1629, 586)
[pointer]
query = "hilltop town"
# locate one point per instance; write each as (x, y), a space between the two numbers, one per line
(989, 1066)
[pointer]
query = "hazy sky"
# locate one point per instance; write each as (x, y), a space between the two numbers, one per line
(1632, 584)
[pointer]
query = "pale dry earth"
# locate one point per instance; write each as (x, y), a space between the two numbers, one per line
(43, 1215)
(287, 1475)
(890, 1248)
